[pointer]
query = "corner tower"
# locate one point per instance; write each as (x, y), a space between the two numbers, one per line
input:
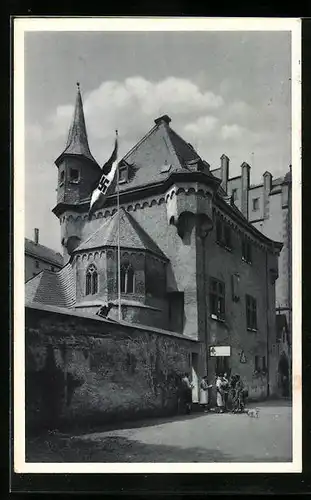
(78, 173)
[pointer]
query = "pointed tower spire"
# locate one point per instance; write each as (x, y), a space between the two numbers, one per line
(77, 142)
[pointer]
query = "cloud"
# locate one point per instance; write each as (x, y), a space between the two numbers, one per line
(202, 126)
(231, 131)
(130, 105)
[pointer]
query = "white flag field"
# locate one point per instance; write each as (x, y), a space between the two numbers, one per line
(100, 193)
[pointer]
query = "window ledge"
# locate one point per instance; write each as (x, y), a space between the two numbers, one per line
(252, 330)
(74, 182)
(123, 181)
(246, 261)
(222, 245)
(216, 318)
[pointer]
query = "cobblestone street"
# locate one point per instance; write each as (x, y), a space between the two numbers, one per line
(199, 437)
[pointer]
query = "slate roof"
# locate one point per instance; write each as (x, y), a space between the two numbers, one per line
(42, 252)
(157, 154)
(132, 235)
(53, 288)
(77, 142)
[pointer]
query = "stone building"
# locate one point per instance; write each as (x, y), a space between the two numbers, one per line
(39, 257)
(268, 207)
(191, 262)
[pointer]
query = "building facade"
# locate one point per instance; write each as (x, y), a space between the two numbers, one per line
(191, 262)
(39, 257)
(268, 207)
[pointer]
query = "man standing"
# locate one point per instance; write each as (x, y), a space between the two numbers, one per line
(187, 392)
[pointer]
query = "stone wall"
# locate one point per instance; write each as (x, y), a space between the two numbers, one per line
(83, 370)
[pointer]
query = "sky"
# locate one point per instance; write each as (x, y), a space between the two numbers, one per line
(226, 92)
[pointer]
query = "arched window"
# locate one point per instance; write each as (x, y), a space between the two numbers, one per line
(91, 284)
(127, 278)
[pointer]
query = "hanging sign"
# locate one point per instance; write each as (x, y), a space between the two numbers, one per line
(220, 350)
(242, 357)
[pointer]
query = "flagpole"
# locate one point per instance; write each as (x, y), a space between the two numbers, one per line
(119, 251)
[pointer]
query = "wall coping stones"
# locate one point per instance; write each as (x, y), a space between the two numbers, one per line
(43, 308)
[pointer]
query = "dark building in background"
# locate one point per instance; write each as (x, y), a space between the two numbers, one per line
(39, 257)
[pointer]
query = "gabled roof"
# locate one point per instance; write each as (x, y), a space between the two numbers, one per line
(42, 252)
(157, 154)
(54, 288)
(77, 142)
(132, 235)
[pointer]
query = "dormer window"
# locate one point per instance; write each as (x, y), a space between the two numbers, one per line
(123, 174)
(74, 175)
(62, 178)
(127, 278)
(91, 283)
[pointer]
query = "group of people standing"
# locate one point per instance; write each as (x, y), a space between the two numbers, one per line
(231, 393)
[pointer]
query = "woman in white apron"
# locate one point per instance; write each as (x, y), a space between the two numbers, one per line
(219, 397)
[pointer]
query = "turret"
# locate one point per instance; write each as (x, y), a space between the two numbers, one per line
(78, 171)
(78, 174)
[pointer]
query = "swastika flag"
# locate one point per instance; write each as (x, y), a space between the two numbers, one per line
(100, 193)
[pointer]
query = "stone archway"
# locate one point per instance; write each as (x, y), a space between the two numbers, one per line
(283, 372)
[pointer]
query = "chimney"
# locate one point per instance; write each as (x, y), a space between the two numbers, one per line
(164, 118)
(224, 171)
(267, 186)
(245, 181)
(36, 235)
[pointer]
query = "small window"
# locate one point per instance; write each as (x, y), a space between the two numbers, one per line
(234, 194)
(257, 367)
(74, 175)
(255, 204)
(227, 234)
(127, 278)
(37, 264)
(217, 299)
(251, 313)
(235, 287)
(62, 177)
(246, 250)
(219, 230)
(91, 283)
(122, 175)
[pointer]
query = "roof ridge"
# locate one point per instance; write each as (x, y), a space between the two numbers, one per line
(95, 232)
(140, 141)
(43, 246)
(172, 148)
(134, 222)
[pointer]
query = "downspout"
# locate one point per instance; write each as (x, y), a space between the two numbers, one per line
(268, 332)
(205, 305)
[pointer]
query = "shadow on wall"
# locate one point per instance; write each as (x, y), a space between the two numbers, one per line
(102, 381)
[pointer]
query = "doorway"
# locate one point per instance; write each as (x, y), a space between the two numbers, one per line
(283, 371)
(222, 365)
